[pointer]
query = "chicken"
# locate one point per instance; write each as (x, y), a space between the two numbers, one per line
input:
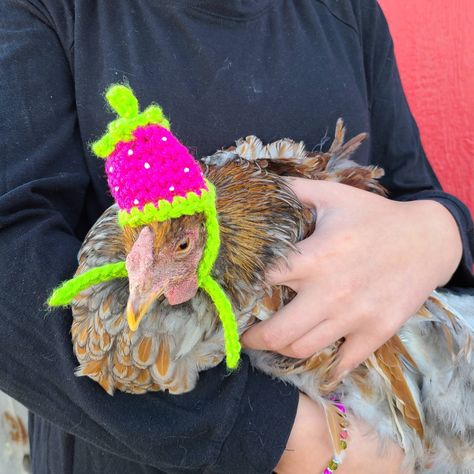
(154, 328)
(15, 452)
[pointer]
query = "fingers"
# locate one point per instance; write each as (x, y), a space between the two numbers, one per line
(293, 321)
(304, 190)
(320, 337)
(357, 348)
(298, 265)
(316, 194)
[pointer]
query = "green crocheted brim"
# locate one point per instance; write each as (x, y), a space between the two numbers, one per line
(164, 210)
(122, 100)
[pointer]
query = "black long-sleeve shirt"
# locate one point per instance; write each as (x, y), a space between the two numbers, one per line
(221, 70)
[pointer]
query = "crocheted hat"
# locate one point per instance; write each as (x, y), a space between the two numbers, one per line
(153, 177)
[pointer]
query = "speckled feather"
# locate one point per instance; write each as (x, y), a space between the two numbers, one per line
(260, 221)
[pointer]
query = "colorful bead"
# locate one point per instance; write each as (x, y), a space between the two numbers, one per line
(343, 435)
(186, 170)
(171, 188)
(164, 139)
(147, 165)
(130, 152)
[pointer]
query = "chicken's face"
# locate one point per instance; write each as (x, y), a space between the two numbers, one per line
(162, 260)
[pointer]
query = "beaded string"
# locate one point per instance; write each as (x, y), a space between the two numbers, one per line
(343, 438)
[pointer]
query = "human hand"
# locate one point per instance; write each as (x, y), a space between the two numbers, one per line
(369, 265)
(309, 450)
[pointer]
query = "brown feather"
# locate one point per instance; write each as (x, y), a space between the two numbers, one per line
(143, 378)
(105, 384)
(424, 312)
(93, 367)
(359, 377)
(339, 135)
(144, 349)
(162, 362)
(388, 359)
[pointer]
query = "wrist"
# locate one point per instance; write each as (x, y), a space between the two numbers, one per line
(441, 226)
(309, 447)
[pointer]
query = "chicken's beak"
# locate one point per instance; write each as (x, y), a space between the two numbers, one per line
(137, 307)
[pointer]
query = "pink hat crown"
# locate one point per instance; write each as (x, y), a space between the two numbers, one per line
(152, 166)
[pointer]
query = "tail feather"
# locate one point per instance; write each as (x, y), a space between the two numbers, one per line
(346, 151)
(339, 135)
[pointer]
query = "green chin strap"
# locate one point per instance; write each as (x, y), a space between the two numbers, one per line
(192, 204)
(67, 291)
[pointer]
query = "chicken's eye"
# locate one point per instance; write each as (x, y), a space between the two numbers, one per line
(183, 245)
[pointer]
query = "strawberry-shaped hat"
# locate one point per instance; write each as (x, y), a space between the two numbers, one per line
(151, 175)
(153, 178)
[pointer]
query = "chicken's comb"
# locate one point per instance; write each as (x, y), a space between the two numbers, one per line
(123, 101)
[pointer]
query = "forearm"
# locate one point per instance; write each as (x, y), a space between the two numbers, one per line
(309, 447)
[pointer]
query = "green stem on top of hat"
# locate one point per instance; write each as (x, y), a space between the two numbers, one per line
(122, 100)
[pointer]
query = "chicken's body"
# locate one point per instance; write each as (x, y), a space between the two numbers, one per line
(409, 390)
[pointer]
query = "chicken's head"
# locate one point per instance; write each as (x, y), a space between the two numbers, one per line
(162, 261)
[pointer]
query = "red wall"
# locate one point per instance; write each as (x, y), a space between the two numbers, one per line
(434, 44)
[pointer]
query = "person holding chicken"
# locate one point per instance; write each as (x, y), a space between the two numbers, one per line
(220, 79)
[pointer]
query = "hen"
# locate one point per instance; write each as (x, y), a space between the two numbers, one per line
(416, 389)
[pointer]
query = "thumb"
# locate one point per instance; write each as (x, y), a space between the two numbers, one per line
(317, 194)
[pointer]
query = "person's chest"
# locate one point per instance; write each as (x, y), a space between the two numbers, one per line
(289, 72)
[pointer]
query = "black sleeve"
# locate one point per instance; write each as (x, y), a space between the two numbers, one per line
(229, 423)
(395, 139)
